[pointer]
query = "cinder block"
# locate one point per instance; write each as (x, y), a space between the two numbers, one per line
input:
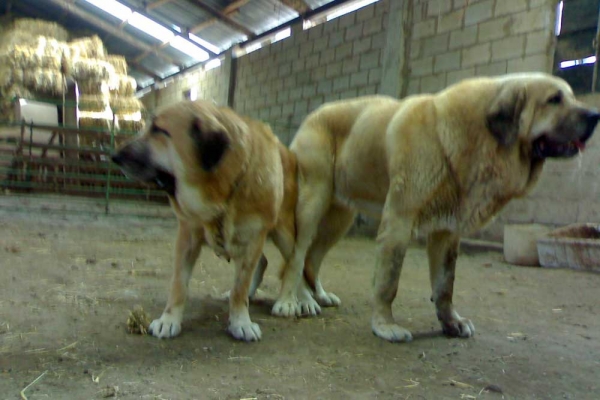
(341, 83)
(494, 69)
(314, 33)
(335, 39)
(375, 75)
(504, 7)
(343, 51)
(533, 20)
(424, 28)
(511, 47)
(494, 29)
(324, 87)
(415, 49)
(413, 87)
(301, 107)
(368, 90)
(300, 65)
(285, 69)
(353, 32)
(450, 22)
(457, 76)
(350, 93)
(347, 20)
(334, 70)
(370, 60)
(447, 62)
(379, 40)
(318, 73)
(479, 54)
(421, 67)
(350, 66)
(365, 13)
(296, 93)
(320, 43)
(436, 44)
(326, 56)
(433, 83)
(436, 8)
(373, 26)
(359, 79)
(361, 46)
(538, 42)
(305, 50)
(309, 91)
(463, 38)
(479, 12)
(540, 62)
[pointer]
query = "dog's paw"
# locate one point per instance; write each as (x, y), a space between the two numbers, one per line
(308, 305)
(391, 332)
(328, 299)
(248, 332)
(167, 326)
(458, 327)
(287, 307)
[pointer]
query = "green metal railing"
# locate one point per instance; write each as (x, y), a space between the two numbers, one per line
(67, 160)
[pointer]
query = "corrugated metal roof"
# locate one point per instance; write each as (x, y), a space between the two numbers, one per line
(222, 23)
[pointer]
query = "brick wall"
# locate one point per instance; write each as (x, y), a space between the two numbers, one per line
(342, 58)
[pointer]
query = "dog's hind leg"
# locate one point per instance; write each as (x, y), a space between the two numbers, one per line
(187, 250)
(442, 251)
(332, 228)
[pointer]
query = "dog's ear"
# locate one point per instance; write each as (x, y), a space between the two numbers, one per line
(504, 114)
(211, 144)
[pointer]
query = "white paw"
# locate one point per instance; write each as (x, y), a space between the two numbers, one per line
(458, 327)
(328, 299)
(248, 331)
(167, 326)
(308, 305)
(391, 332)
(286, 307)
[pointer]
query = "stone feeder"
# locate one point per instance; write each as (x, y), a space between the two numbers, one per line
(575, 246)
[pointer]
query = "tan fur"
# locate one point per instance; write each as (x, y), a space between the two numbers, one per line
(250, 195)
(441, 164)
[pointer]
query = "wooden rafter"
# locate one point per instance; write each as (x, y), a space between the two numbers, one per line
(228, 11)
(300, 6)
(223, 17)
(157, 4)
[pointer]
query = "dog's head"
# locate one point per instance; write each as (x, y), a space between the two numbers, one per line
(186, 141)
(540, 110)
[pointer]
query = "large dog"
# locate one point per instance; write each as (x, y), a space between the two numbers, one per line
(231, 184)
(443, 164)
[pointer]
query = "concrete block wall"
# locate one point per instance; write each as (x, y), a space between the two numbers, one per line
(342, 58)
(456, 39)
(211, 85)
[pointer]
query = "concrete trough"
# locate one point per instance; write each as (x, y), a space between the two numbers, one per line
(575, 246)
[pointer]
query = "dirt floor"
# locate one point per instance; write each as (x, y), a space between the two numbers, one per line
(67, 285)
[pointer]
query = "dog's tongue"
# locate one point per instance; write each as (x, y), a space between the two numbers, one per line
(580, 145)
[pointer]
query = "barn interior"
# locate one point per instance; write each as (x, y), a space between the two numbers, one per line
(83, 244)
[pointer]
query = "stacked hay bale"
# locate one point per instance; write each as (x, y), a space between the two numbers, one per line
(31, 60)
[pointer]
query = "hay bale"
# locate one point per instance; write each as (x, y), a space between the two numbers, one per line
(118, 62)
(95, 124)
(125, 105)
(87, 47)
(130, 126)
(15, 91)
(40, 27)
(27, 57)
(123, 85)
(93, 103)
(10, 75)
(93, 87)
(83, 69)
(44, 80)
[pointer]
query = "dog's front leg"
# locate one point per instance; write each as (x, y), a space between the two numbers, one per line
(240, 325)
(187, 250)
(393, 238)
(442, 251)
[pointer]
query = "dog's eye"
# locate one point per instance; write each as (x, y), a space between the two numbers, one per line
(556, 99)
(160, 131)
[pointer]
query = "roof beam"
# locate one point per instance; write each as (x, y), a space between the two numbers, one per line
(157, 4)
(110, 28)
(300, 6)
(145, 70)
(229, 10)
(223, 17)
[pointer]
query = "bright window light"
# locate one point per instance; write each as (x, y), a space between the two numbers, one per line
(112, 7)
(559, 16)
(150, 27)
(212, 64)
(23, 102)
(205, 44)
(187, 47)
(253, 47)
(193, 94)
(349, 8)
(283, 34)
(572, 63)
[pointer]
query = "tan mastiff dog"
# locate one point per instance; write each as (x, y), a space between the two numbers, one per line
(443, 164)
(231, 184)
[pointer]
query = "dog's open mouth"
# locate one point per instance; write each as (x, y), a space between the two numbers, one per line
(544, 147)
